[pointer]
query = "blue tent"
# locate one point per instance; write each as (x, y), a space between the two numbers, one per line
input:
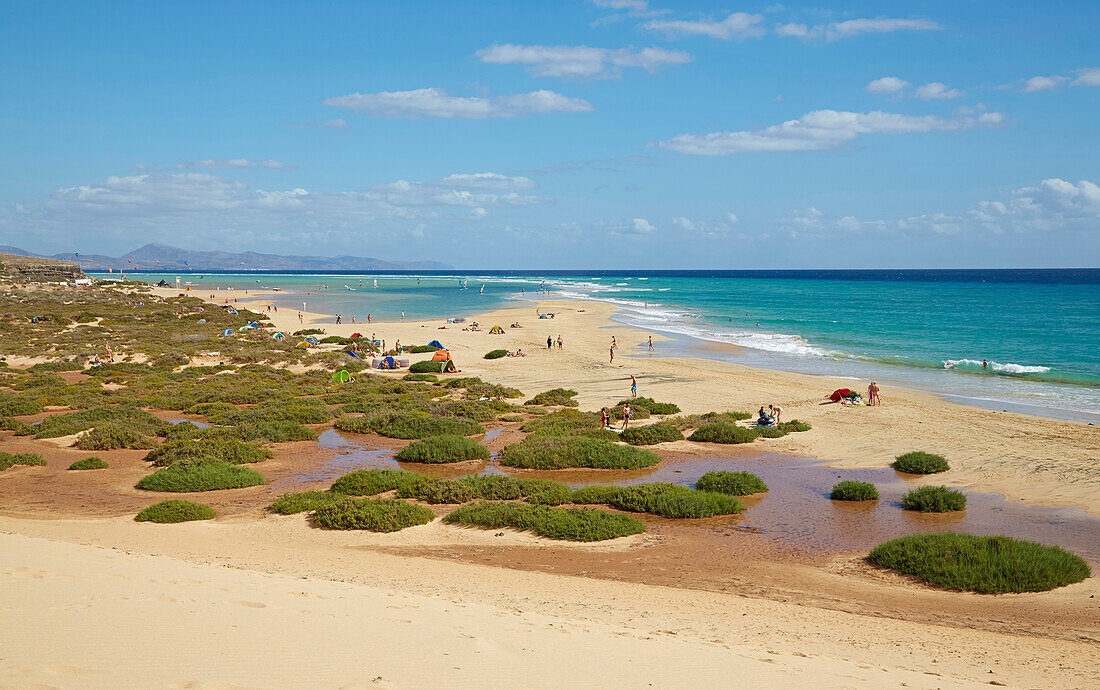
(437, 345)
(228, 331)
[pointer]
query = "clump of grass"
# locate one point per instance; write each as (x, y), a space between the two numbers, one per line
(652, 406)
(206, 474)
(409, 425)
(175, 510)
(491, 487)
(427, 367)
(373, 482)
(732, 483)
(567, 423)
(794, 425)
(14, 407)
(496, 354)
(555, 396)
(652, 434)
(987, 565)
(12, 424)
(371, 514)
(431, 378)
(541, 452)
(301, 501)
(133, 418)
(206, 444)
(443, 449)
(569, 524)
(112, 435)
(421, 349)
(511, 417)
(694, 421)
(273, 431)
(724, 432)
(491, 391)
(92, 463)
(596, 493)
(9, 460)
(617, 413)
(671, 501)
(934, 499)
(919, 462)
(850, 490)
(770, 432)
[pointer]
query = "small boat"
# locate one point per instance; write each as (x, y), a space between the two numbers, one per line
(482, 290)
(346, 287)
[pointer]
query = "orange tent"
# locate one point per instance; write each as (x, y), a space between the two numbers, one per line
(441, 356)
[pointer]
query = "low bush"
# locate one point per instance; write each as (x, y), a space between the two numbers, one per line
(794, 425)
(373, 482)
(440, 491)
(919, 462)
(272, 431)
(206, 474)
(568, 423)
(14, 407)
(309, 331)
(432, 378)
(443, 449)
(770, 432)
(416, 426)
(596, 493)
(209, 444)
(491, 391)
(671, 501)
(12, 424)
(133, 418)
(421, 349)
(490, 487)
(175, 510)
(934, 499)
(511, 417)
(554, 396)
(301, 501)
(569, 524)
(371, 514)
(9, 460)
(650, 435)
(89, 464)
(427, 367)
(112, 435)
(496, 354)
(987, 565)
(732, 483)
(616, 413)
(540, 452)
(694, 421)
(850, 490)
(335, 340)
(724, 432)
(651, 406)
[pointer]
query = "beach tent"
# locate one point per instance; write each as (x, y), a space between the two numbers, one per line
(228, 331)
(341, 376)
(356, 335)
(278, 336)
(302, 345)
(437, 345)
(441, 356)
(496, 330)
(232, 311)
(448, 367)
(312, 341)
(253, 324)
(201, 321)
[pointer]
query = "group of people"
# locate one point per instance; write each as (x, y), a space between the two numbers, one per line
(605, 417)
(550, 342)
(770, 418)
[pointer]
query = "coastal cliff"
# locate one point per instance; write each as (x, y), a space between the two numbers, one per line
(27, 268)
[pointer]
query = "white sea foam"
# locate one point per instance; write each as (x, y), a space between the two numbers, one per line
(1007, 368)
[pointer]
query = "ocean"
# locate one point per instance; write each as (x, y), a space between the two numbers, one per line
(1037, 330)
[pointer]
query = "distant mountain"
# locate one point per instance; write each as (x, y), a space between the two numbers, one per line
(160, 257)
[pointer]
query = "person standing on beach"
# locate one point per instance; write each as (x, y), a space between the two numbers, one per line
(651, 343)
(605, 419)
(549, 342)
(337, 319)
(633, 386)
(613, 343)
(559, 341)
(872, 394)
(402, 315)
(368, 319)
(299, 317)
(626, 415)
(776, 411)
(612, 354)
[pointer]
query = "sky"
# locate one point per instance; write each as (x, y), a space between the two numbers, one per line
(583, 134)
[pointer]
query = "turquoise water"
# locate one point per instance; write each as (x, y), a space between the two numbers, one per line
(1037, 330)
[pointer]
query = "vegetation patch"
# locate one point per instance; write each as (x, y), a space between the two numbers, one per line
(596, 493)
(431, 378)
(421, 349)
(694, 421)
(934, 499)
(511, 417)
(651, 434)
(373, 482)
(496, 354)
(541, 452)
(490, 487)
(175, 510)
(428, 367)
(568, 423)
(14, 407)
(732, 483)
(112, 435)
(409, 425)
(443, 449)
(919, 462)
(770, 432)
(206, 474)
(302, 501)
(671, 501)
(794, 425)
(987, 565)
(9, 460)
(850, 490)
(133, 418)
(652, 406)
(207, 445)
(568, 524)
(92, 463)
(724, 432)
(555, 396)
(371, 514)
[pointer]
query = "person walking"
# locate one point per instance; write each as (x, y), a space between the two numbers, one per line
(651, 343)
(627, 414)
(612, 354)
(549, 343)
(633, 386)
(559, 341)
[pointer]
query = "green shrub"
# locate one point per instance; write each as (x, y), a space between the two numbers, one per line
(301, 501)
(770, 432)
(373, 482)
(987, 565)
(919, 462)
(850, 490)
(207, 445)
(421, 349)
(570, 524)
(511, 417)
(491, 391)
(724, 432)
(133, 418)
(443, 449)
(209, 409)
(555, 396)
(568, 423)
(732, 483)
(309, 331)
(89, 464)
(427, 367)
(496, 354)
(596, 493)
(272, 431)
(420, 377)
(617, 413)
(111, 435)
(693, 421)
(671, 501)
(794, 425)
(371, 514)
(335, 340)
(206, 474)
(415, 426)
(441, 491)
(649, 435)
(8, 460)
(934, 499)
(175, 510)
(12, 424)
(14, 407)
(541, 452)
(491, 487)
(651, 406)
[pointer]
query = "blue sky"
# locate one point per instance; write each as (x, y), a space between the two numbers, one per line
(583, 134)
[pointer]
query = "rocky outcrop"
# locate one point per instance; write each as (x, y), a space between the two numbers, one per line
(27, 268)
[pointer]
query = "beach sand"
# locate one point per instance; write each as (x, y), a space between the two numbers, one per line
(93, 599)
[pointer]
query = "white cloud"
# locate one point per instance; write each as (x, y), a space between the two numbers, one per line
(1043, 83)
(336, 123)
(683, 223)
(706, 228)
(738, 25)
(435, 102)
(580, 61)
(887, 85)
(820, 130)
(642, 226)
(1087, 77)
(634, 5)
(732, 218)
(936, 91)
(854, 27)
(236, 164)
